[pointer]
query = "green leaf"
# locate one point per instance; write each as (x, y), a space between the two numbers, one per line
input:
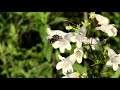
(42, 31)
(79, 68)
(12, 29)
(47, 51)
(30, 14)
(56, 54)
(116, 74)
(46, 70)
(39, 16)
(58, 20)
(46, 17)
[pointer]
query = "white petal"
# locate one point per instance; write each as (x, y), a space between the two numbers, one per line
(112, 31)
(63, 44)
(68, 46)
(70, 68)
(49, 31)
(86, 40)
(101, 19)
(62, 49)
(68, 36)
(83, 30)
(109, 29)
(55, 32)
(109, 63)
(115, 67)
(72, 58)
(72, 75)
(58, 32)
(79, 56)
(79, 44)
(56, 44)
(61, 58)
(78, 49)
(65, 76)
(97, 40)
(111, 53)
(73, 39)
(64, 71)
(79, 59)
(59, 65)
(93, 47)
(118, 58)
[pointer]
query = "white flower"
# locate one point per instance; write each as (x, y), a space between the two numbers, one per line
(101, 19)
(62, 44)
(79, 54)
(93, 42)
(109, 29)
(59, 39)
(72, 75)
(114, 59)
(66, 63)
(55, 32)
(79, 37)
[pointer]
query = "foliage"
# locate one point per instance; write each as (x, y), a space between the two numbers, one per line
(24, 53)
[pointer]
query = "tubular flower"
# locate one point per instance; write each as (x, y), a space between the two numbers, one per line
(66, 63)
(101, 19)
(93, 42)
(114, 59)
(72, 75)
(79, 37)
(109, 29)
(59, 39)
(79, 54)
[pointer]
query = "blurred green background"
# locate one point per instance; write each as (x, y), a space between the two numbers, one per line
(24, 54)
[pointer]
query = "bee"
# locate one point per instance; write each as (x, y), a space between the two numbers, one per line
(55, 38)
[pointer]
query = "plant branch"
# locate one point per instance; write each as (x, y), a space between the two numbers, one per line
(54, 64)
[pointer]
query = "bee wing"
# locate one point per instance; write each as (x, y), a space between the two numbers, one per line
(47, 38)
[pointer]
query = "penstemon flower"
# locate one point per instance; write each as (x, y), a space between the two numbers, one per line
(101, 19)
(72, 75)
(109, 29)
(79, 37)
(92, 42)
(66, 63)
(62, 41)
(79, 54)
(59, 39)
(114, 59)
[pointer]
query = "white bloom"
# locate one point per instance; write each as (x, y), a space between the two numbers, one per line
(59, 39)
(66, 63)
(62, 44)
(79, 37)
(114, 59)
(72, 75)
(79, 54)
(55, 32)
(109, 29)
(93, 42)
(101, 19)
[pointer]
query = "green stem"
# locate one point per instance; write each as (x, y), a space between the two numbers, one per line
(54, 64)
(85, 16)
(92, 52)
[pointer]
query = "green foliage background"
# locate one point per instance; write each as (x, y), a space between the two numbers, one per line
(25, 54)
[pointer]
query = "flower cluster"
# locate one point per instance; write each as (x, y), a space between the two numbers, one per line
(62, 41)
